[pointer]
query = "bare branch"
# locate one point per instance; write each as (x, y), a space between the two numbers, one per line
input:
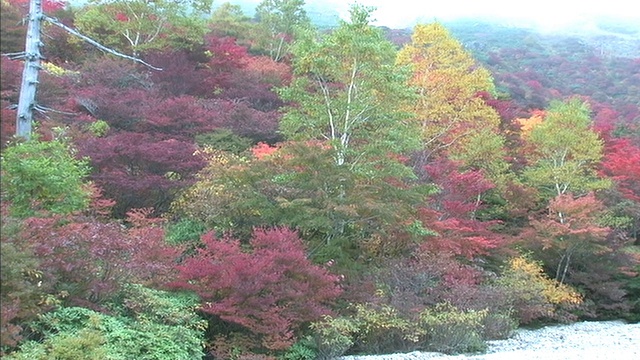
(16, 55)
(95, 43)
(44, 109)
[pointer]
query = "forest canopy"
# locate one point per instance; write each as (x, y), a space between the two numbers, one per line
(281, 190)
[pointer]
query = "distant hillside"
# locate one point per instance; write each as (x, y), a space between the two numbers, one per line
(605, 38)
(323, 14)
(534, 67)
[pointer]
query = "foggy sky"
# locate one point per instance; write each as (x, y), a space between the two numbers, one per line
(542, 14)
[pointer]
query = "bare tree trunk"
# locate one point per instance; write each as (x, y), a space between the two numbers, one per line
(32, 56)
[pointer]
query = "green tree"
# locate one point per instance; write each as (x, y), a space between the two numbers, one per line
(43, 176)
(348, 91)
(139, 25)
(279, 22)
(341, 180)
(564, 151)
(343, 215)
(230, 20)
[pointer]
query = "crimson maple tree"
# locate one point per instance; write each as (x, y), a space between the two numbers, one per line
(86, 261)
(452, 212)
(140, 170)
(272, 289)
(622, 163)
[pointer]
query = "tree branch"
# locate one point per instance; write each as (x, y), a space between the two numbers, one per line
(95, 43)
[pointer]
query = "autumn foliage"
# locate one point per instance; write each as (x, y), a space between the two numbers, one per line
(272, 289)
(48, 6)
(87, 261)
(452, 213)
(299, 193)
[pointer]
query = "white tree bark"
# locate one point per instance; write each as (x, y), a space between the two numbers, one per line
(32, 56)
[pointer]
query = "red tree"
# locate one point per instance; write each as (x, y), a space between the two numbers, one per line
(271, 290)
(48, 6)
(89, 260)
(141, 170)
(622, 163)
(452, 212)
(577, 250)
(183, 73)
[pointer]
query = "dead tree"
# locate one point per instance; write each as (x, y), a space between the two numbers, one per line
(32, 58)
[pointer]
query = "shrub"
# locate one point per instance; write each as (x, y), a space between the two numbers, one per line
(236, 346)
(382, 330)
(332, 337)
(84, 345)
(451, 330)
(632, 286)
(303, 349)
(140, 170)
(185, 230)
(20, 295)
(498, 326)
(91, 260)
(271, 291)
(500, 321)
(98, 128)
(533, 294)
(43, 176)
(224, 140)
(147, 325)
(144, 304)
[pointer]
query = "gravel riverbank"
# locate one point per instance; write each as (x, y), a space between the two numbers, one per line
(604, 340)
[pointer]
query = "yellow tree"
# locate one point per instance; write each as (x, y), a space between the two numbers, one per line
(451, 113)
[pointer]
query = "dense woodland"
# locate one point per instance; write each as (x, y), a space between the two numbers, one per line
(277, 191)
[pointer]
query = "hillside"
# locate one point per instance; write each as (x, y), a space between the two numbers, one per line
(270, 189)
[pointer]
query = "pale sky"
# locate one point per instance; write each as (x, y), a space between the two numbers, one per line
(547, 14)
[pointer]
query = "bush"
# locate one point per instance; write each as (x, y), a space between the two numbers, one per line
(20, 293)
(224, 140)
(382, 330)
(498, 326)
(270, 288)
(500, 322)
(185, 230)
(332, 337)
(21, 288)
(533, 294)
(147, 325)
(450, 330)
(43, 176)
(168, 308)
(237, 346)
(302, 350)
(91, 260)
(632, 286)
(98, 128)
(85, 345)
